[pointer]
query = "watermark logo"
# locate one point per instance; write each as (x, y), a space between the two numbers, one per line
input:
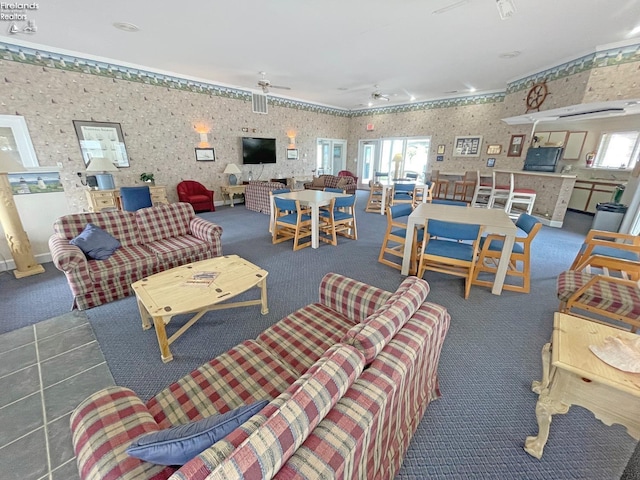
(19, 16)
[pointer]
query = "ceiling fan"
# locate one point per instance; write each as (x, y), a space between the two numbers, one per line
(265, 84)
(378, 95)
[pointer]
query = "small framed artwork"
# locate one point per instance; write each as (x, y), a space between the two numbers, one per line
(467, 146)
(205, 155)
(440, 150)
(292, 154)
(439, 158)
(494, 149)
(491, 162)
(515, 145)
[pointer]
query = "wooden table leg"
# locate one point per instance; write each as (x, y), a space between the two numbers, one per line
(263, 297)
(163, 343)
(144, 315)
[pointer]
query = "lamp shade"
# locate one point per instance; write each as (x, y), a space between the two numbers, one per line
(8, 163)
(232, 168)
(101, 164)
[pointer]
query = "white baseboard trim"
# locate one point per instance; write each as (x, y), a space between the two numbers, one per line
(9, 265)
(549, 222)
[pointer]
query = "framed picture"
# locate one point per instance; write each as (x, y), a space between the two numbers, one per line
(491, 162)
(440, 150)
(439, 158)
(292, 154)
(515, 145)
(101, 140)
(467, 146)
(205, 155)
(494, 149)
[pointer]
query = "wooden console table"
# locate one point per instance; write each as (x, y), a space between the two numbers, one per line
(230, 191)
(110, 199)
(573, 375)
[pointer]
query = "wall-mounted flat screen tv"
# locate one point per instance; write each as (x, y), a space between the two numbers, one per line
(258, 150)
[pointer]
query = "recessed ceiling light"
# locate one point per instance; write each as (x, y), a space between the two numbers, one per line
(412, 98)
(472, 89)
(343, 88)
(126, 27)
(507, 55)
(370, 104)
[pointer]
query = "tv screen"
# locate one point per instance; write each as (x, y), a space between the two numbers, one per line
(258, 150)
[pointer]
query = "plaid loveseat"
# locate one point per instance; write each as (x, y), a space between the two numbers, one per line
(256, 195)
(332, 181)
(152, 240)
(348, 379)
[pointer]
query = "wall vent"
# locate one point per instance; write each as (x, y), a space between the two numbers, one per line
(259, 103)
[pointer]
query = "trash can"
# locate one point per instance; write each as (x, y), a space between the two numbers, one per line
(608, 216)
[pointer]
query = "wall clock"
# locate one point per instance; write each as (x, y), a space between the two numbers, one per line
(536, 96)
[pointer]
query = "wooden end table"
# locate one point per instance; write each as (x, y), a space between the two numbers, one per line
(573, 375)
(175, 292)
(230, 191)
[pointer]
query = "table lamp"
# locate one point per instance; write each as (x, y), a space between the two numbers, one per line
(232, 169)
(17, 238)
(105, 180)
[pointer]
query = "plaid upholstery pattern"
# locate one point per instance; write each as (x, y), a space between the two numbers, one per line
(256, 195)
(70, 259)
(103, 426)
(164, 221)
(266, 449)
(350, 298)
(246, 373)
(121, 225)
(622, 300)
(134, 261)
(371, 336)
(331, 181)
(176, 251)
(301, 338)
(209, 233)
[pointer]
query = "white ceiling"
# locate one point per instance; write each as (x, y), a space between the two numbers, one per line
(334, 52)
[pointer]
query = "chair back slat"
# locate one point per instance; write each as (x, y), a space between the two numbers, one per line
(341, 202)
(285, 204)
(455, 231)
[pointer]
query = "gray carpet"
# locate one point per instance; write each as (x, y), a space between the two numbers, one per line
(490, 357)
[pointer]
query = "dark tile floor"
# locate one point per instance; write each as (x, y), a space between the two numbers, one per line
(46, 370)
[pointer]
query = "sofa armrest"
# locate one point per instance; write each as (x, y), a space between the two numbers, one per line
(355, 300)
(73, 262)
(208, 232)
(103, 426)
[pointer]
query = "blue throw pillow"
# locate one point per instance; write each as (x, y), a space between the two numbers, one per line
(95, 242)
(178, 445)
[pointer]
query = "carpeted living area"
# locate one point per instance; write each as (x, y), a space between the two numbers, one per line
(491, 353)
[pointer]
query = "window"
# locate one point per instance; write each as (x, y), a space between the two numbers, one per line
(15, 139)
(618, 150)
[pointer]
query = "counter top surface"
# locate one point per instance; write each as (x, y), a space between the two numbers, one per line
(537, 174)
(603, 181)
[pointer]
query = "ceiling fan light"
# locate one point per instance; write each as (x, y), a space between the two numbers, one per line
(506, 8)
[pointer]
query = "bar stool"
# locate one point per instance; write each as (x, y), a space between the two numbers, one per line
(520, 196)
(481, 190)
(439, 184)
(500, 192)
(461, 187)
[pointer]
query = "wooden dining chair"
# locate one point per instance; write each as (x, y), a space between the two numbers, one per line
(395, 238)
(423, 194)
(374, 202)
(519, 261)
(402, 193)
(461, 188)
(441, 185)
(607, 244)
(339, 219)
(272, 209)
(291, 221)
(450, 248)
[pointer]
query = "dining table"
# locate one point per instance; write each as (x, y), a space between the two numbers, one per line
(387, 188)
(309, 198)
(492, 220)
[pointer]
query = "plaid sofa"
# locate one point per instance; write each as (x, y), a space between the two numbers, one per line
(348, 379)
(256, 195)
(332, 181)
(152, 240)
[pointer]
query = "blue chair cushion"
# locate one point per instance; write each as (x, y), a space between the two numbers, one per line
(448, 249)
(457, 231)
(612, 252)
(292, 218)
(402, 196)
(95, 242)
(177, 445)
(497, 245)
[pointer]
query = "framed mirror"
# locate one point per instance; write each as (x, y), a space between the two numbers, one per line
(101, 140)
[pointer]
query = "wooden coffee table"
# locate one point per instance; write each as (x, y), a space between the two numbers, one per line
(573, 375)
(176, 292)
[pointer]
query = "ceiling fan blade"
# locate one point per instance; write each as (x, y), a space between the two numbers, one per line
(280, 87)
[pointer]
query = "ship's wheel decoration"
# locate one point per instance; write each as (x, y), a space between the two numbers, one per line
(536, 96)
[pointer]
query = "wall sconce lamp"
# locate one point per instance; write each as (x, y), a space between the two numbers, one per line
(17, 238)
(292, 139)
(203, 130)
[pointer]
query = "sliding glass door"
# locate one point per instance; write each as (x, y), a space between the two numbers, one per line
(378, 156)
(331, 156)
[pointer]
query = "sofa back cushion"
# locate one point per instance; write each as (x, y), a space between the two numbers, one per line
(371, 336)
(351, 298)
(164, 221)
(119, 224)
(274, 442)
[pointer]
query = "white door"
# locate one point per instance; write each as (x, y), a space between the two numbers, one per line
(368, 158)
(331, 156)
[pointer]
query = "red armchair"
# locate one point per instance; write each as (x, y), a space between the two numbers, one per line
(196, 194)
(347, 173)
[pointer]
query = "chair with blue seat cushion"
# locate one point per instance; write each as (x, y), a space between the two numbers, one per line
(339, 219)
(519, 261)
(455, 203)
(374, 202)
(450, 248)
(272, 208)
(395, 238)
(291, 221)
(423, 193)
(402, 193)
(607, 244)
(135, 198)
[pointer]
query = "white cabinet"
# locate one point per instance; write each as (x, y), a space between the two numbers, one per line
(571, 141)
(588, 193)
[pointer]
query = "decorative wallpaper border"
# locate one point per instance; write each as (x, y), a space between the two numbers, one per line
(603, 58)
(30, 56)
